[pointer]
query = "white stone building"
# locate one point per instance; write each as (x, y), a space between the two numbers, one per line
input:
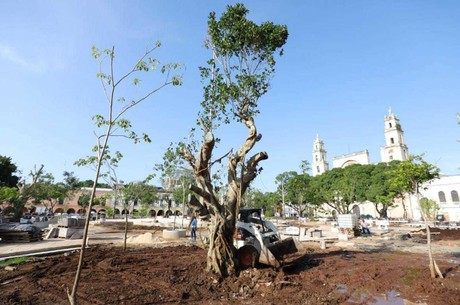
(445, 190)
(319, 164)
(395, 148)
(360, 157)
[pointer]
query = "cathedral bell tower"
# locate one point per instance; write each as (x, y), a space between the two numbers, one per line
(319, 164)
(395, 148)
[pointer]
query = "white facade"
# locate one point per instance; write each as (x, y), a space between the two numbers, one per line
(395, 148)
(319, 164)
(360, 157)
(445, 191)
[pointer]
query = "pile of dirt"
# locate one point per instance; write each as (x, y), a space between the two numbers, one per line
(438, 234)
(444, 234)
(175, 275)
(146, 238)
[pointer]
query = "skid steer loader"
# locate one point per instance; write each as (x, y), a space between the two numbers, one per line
(258, 240)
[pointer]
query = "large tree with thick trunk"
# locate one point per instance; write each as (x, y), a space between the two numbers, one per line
(237, 75)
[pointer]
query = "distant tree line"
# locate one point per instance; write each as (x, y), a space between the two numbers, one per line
(383, 184)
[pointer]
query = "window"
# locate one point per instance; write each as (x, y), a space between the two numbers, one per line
(317, 169)
(442, 197)
(454, 196)
(392, 141)
(391, 157)
(316, 157)
(390, 125)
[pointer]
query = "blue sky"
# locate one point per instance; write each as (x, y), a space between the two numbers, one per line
(345, 63)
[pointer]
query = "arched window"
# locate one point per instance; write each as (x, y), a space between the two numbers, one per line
(442, 197)
(390, 125)
(392, 141)
(454, 196)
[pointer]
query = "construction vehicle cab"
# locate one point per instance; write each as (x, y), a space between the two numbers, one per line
(258, 240)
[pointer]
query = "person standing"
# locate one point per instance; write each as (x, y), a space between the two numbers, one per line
(193, 225)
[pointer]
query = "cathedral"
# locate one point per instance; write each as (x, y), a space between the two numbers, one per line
(395, 149)
(445, 190)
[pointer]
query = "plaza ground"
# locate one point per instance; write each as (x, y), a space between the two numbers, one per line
(385, 268)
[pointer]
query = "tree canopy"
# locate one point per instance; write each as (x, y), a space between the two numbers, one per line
(7, 172)
(235, 78)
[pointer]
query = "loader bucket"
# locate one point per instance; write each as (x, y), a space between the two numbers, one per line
(273, 254)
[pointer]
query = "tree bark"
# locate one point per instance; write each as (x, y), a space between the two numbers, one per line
(221, 252)
(125, 237)
(432, 264)
(222, 258)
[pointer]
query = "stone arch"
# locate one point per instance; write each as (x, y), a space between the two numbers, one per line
(153, 213)
(71, 211)
(116, 212)
(81, 211)
(442, 196)
(169, 213)
(161, 213)
(334, 214)
(348, 163)
(124, 212)
(454, 195)
(59, 210)
(356, 210)
(178, 213)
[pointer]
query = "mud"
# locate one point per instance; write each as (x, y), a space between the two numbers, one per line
(175, 275)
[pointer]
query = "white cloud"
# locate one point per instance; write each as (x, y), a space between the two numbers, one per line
(11, 55)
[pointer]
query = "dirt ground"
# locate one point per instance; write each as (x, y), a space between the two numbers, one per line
(175, 275)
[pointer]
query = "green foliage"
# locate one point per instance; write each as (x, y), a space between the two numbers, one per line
(328, 188)
(114, 124)
(268, 213)
(409, 175)
(305, 166)
(283, 179)
(110, 212)
(7, 172)
(139, 192)
(84, 200)
(89, 183)
(380, 191)
(9, 195)
(299, 193)
(243, 62)
(13, 261)
(429, 208)
(144, 210)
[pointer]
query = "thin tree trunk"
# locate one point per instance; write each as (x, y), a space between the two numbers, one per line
(126, 231)
(404, 207)
(73, 295)
(434, 269)
(432, 264)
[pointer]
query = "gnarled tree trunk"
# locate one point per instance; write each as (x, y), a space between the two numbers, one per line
(222, 258)
(221, 252)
